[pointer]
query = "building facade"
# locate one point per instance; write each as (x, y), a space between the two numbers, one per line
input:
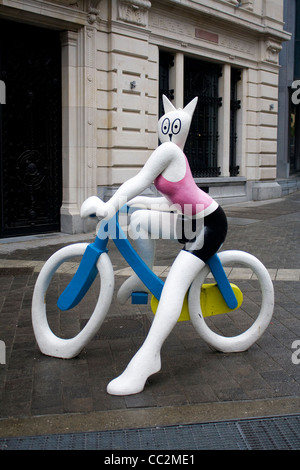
(288, 150)
(84, 80)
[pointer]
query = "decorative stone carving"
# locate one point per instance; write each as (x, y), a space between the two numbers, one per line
(93, 10)
(134, 11)
(272, 51)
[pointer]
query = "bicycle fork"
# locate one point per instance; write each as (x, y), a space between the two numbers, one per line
(84, 276)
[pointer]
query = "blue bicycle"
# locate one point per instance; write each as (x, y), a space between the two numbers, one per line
(203, 301)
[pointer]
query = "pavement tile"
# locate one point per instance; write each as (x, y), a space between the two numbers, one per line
(288, 275)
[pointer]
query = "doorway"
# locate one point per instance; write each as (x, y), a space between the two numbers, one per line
(30, 130)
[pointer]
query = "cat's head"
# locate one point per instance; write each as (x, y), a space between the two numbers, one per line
(174, 125)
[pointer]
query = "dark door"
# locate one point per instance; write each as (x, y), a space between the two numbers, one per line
(30, 130)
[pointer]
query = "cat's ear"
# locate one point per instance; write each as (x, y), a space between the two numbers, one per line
(168, 107)
(190, 107)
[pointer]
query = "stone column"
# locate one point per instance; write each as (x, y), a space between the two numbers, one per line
(79, 145)
(69, 211)
(177, 79)
(224, 121)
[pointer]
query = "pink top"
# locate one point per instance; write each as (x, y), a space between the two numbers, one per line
(186, 194)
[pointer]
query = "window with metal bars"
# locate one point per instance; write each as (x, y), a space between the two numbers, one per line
(201, 79)
(166, 61)
(235, 105)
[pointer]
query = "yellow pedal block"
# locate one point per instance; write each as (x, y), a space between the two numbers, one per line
(212, 302)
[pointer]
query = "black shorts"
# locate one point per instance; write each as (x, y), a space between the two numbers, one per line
(206, 235)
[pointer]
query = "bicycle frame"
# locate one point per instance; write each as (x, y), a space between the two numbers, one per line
(87, 271)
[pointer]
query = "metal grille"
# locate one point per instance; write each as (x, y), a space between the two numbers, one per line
(235, 105)
(202, 79)
(166, 61)
(30, 128)
(274, 433)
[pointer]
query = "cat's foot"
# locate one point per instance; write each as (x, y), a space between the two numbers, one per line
(134, 377)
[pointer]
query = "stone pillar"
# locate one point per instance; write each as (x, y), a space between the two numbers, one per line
(70, 220)
(224, 121)
(177, 79)
(79, 143)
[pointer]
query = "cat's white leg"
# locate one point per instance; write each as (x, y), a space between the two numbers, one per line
(147, 360)
(145, 227)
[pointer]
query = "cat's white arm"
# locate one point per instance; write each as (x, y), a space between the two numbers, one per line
(160, 203)
(159, 160)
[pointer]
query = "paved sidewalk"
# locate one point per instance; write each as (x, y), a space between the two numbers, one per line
(43, 395)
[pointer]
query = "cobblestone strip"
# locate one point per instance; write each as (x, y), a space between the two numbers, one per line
(162, 271)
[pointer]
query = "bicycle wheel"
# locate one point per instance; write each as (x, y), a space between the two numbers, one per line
(252, 317)
(48, 342)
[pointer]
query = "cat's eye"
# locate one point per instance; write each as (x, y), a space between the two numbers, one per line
(165, 127)
(176, 126)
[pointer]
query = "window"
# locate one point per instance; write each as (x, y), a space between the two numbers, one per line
(201, 79)
(235, 104)
(166, 61)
